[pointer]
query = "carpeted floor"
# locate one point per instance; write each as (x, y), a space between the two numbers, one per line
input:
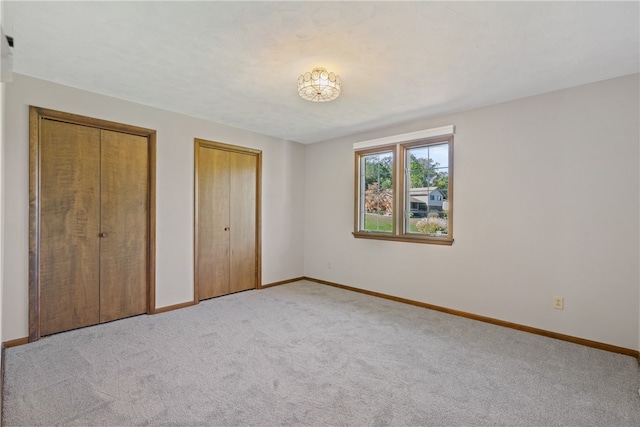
(310, 354)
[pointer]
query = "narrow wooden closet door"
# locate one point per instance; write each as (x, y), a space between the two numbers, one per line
(124, 225)
(213, 222)
(69, 226)
(242, 201)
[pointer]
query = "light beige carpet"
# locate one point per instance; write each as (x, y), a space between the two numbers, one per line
(309, 354)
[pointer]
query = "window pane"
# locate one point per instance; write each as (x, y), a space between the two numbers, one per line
(376, 192)
(427, 190)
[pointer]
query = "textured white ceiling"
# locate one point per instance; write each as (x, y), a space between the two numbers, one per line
(237, 63)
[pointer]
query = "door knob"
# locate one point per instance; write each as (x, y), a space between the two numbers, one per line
(103, 234)
(226, 229)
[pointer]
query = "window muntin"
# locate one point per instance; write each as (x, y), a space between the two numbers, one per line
(376, 201)
(413, 202)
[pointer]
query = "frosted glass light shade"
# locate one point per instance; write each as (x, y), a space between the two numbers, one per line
(319, 85)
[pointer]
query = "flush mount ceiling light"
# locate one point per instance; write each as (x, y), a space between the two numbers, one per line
(319, 85)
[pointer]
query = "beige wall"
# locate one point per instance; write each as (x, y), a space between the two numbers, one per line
(1, 193)
(1, 202)
(1, 205)
(282, 192)
(548, 161)
(508, 260)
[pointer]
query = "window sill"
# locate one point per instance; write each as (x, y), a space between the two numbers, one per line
(445, 241)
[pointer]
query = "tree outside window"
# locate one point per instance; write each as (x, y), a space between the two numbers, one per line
(421, 181)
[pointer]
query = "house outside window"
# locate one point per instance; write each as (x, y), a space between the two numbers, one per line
(427, 182)
(404, 191)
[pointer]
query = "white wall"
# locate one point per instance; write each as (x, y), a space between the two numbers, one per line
(548, 159)
(282, 191)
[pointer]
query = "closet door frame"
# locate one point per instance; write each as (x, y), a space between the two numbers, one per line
(36, 115)
(202, 143)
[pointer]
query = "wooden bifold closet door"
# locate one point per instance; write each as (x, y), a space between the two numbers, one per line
(69, 267)
(227, 219)
(90, 227)
(123, 218)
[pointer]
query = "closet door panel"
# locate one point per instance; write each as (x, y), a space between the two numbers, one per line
(242, 200)
(213, 222)
(69, 226)
(124, 225)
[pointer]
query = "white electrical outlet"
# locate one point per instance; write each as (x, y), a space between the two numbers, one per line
(329, 264)
(558, 303)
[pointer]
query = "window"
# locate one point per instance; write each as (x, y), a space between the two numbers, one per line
(376, 191)
(404, 191)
